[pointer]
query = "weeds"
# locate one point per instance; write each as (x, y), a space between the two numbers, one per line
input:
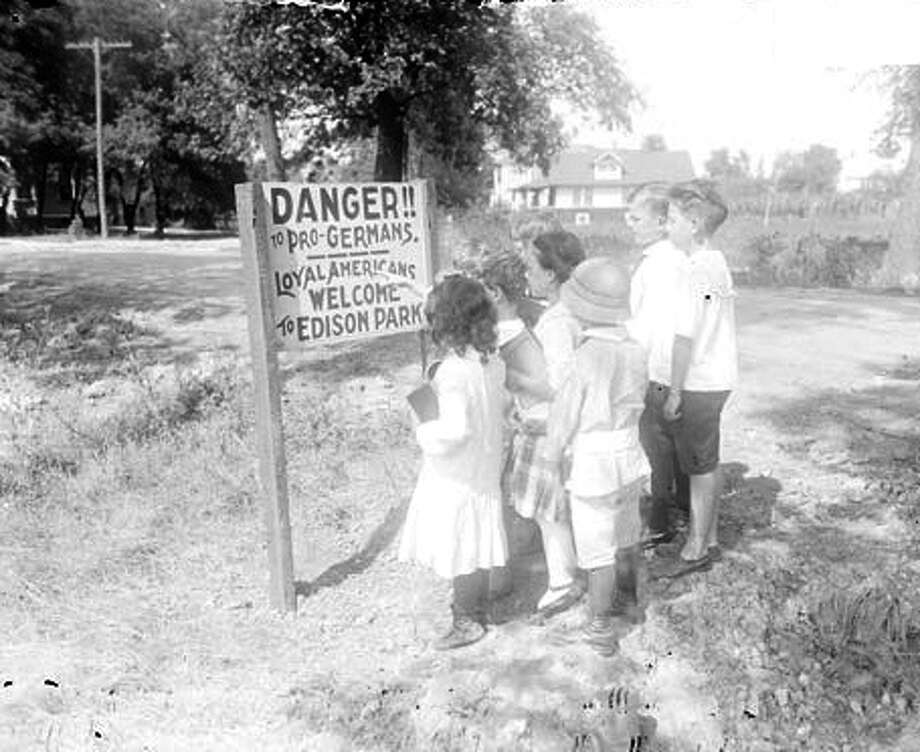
(813, 260)
(850, 664)
(43, 336)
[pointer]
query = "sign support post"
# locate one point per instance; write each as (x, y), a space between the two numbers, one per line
(267, 386)
(322, 263)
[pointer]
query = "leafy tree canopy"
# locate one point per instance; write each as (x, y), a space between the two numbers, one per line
(454, 73)
(816, 170)
(723, 165)
(903, 117)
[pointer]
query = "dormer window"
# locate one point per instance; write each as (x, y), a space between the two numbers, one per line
(608, 167)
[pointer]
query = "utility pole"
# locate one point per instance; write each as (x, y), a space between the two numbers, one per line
(97, 45)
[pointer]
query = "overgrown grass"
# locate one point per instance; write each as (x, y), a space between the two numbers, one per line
(133, 533)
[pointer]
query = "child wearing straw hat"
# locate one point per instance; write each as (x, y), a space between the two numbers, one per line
(454, 522)
(595, 416)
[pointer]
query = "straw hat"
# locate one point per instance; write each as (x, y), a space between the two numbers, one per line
(597, 292)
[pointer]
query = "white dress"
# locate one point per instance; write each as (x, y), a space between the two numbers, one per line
(454, 523)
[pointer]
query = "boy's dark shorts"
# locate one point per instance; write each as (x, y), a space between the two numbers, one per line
(696, 431)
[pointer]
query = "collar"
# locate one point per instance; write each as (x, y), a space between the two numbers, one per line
(508, 329)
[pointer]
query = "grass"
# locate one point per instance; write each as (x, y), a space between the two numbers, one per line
(133, 574)
(133, 544)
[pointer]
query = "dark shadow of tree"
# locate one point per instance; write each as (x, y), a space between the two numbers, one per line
(76, 319)
(357, 358)
(872, 434)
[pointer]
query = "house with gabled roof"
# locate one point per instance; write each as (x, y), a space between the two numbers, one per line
(586, 183)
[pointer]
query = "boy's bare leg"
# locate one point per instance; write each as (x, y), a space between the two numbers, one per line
(712, 536)
(702, 515)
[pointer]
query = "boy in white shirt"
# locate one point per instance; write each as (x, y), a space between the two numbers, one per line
(704, 364)
(659, 287)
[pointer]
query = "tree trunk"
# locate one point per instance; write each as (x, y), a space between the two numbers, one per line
(40, 188)
(77, 191)
(901, 267)
(159, 209)
(391, 139)
(4, 202)
(129, 209)
(268, 129)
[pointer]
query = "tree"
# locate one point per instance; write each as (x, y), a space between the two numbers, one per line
(654, 142)
(40, 102)
(453, 73)
(165, 132)
(902, 263)
(812, 172)
(723, 165)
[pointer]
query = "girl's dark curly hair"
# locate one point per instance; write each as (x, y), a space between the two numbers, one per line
(559, 252)
(460, 313)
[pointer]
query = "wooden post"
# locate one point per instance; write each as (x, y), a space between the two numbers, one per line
(430, 202)
(97, 45)
(100, 171)
(267, 387)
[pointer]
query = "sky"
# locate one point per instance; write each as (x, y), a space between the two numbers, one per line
(761, 75)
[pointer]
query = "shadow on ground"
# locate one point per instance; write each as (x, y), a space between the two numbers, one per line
(861, 432)
(356, 359)
(379, 539)
(140, 281)
(80, 316)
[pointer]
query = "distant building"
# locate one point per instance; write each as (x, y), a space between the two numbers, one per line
(586, 183)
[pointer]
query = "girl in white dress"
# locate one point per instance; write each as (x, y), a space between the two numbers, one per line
(454, 523)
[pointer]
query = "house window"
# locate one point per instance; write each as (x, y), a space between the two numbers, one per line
(535, 198)
(582, 196)
(552, 196)
(608, 168)
(582, 218)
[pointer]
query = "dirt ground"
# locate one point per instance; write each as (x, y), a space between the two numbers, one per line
(817, 443)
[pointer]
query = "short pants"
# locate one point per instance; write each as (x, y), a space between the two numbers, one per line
(604, 524)
(694, 437)
(696, 431)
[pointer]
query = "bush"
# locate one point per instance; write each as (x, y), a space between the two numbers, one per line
(813, 260)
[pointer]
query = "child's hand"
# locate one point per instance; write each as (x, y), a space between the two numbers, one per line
(409, 285)
(671, 407)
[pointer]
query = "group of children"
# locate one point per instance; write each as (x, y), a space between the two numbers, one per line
(620, 380)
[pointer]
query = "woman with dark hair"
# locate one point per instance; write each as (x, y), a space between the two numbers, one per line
(537, 493)
(454, 522)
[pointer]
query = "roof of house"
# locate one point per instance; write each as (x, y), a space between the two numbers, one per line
(576, 167)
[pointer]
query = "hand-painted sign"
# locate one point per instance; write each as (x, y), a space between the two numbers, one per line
(322, 262)
(336, 254)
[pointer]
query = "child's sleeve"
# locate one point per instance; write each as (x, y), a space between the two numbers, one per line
(451, 428)
(684, 306)
(559, 342)
(564, 416)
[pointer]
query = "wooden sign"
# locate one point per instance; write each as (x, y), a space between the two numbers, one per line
(323, 262)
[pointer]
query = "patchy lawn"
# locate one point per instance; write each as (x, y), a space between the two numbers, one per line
(133, 570)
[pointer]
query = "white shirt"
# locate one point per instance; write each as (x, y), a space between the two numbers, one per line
(558, 332)
(659, 301)
(714, 358)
